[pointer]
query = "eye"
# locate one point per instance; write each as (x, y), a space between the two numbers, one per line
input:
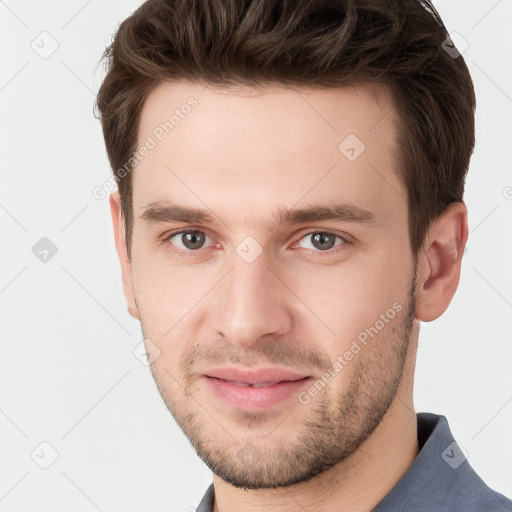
(188, 240)
(321, 240)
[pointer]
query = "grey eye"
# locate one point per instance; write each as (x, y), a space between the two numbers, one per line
(321, 240)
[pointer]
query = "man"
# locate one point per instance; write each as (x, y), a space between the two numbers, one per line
(290, 208)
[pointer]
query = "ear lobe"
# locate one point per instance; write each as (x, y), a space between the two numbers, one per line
(440, 262)
(122, 253)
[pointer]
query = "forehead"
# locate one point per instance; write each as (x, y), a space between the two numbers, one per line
(246, 149)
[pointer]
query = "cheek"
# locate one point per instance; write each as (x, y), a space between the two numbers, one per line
(169, 297)
(347, 298)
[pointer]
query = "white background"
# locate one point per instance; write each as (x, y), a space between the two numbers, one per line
(67, 369)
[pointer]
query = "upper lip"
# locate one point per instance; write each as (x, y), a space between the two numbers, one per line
(267, 375)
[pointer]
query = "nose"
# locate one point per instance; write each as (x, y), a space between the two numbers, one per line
(251, 302)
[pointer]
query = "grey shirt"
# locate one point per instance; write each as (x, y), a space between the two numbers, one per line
(440, 479)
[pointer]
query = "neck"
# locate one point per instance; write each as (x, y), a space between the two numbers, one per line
(358, 483)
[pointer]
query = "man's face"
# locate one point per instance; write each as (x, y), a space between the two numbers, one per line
(263, 291)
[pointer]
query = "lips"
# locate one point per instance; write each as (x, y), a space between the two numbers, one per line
(256, 390)
(255, 378)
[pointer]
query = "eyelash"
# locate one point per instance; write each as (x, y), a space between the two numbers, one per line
(191, 253)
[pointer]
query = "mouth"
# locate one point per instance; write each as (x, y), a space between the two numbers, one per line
(268, 376)
(257, 384)
(257, 390)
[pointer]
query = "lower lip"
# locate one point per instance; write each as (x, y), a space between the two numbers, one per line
(254, 398)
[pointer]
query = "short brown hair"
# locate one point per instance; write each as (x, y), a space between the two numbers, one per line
(333, 43)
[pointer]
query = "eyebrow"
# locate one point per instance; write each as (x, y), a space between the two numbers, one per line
(158, 212)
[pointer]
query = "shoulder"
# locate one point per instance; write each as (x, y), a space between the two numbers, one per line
(441, 479)
(460, 488)
(471, 494)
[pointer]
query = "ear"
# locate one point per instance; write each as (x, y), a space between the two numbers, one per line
(122, 252)
(439, 262)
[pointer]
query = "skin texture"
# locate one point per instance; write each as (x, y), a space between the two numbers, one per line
(240, 154)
